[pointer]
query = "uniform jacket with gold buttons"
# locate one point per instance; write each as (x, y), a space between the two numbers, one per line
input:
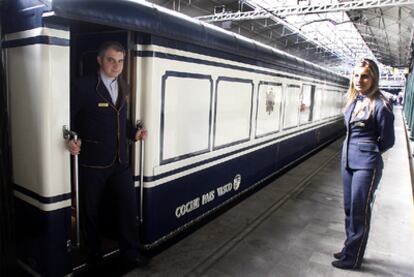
(367, 136)
(102, 126)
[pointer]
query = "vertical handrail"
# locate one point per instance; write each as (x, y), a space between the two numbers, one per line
(76, 183)
(141, 184)
(140, 125)
(68, 135)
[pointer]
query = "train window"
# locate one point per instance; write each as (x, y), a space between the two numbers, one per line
(334, 103)
(233, 111)
(306, 104)
(328, 97)
(317, 106)
(340, 102)
(269, 99)
(334, 100)
(186, 115)
(331, 100)
(325, 105)
(292, 102)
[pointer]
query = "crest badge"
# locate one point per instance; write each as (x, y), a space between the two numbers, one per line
(270, 101)
(236, 182)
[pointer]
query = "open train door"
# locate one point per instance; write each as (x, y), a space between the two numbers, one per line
(86, 39)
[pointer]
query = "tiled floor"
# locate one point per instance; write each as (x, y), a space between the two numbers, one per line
(292, 226)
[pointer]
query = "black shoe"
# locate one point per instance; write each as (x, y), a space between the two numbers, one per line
(141, 261)
(345, 264)
(338, 255)
(94, 264)
(94, 260)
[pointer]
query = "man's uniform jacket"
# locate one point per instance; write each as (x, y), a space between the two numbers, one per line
(102, 126)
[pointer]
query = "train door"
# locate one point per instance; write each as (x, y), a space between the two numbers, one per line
(85, 41)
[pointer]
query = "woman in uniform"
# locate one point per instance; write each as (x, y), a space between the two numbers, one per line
(370, 132)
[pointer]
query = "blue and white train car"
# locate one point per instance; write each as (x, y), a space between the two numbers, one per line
(223, 113)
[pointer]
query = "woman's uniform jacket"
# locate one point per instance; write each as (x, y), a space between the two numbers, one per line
(367, 137)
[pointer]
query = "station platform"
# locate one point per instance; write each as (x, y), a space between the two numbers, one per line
(292, 226)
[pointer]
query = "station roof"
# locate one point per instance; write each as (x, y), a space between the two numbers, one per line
(334, 34)
(145, 17)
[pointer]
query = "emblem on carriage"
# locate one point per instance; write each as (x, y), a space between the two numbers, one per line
(236, 182)
(270, 101)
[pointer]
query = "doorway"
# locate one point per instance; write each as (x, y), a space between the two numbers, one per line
(85, 41)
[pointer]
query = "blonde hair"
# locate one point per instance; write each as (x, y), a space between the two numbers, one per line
(373, 94)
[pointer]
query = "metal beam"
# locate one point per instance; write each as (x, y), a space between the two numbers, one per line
(298, 10)
(387, 40)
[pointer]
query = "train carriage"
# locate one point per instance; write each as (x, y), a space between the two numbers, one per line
(224, 113)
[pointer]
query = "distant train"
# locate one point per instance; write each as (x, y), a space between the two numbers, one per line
(223, 112)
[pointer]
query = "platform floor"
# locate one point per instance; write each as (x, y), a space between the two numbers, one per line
(292, 226)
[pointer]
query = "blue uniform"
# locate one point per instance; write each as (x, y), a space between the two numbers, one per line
(104, 129)
(101, 124)
(362, 164)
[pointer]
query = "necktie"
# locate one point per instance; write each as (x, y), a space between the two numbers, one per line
(113, 91)
(360, 97)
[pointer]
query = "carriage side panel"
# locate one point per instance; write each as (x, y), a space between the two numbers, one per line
(246, 141)
(38, 88)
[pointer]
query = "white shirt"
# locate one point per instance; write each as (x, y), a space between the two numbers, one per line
(359, 109)
(111, 85)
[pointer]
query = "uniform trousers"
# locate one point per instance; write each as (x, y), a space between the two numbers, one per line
(359, 187)
(117, 180)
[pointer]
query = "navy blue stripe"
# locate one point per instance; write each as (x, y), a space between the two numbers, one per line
(212, 63)
(178, 170)
(36, 40)
(42, 199)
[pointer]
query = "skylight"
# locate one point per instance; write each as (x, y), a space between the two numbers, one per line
(333, 31)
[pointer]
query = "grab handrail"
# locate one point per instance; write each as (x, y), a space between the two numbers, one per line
(140, 125)
(69, 135)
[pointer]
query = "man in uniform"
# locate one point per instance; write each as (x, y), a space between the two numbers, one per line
(99, 116)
